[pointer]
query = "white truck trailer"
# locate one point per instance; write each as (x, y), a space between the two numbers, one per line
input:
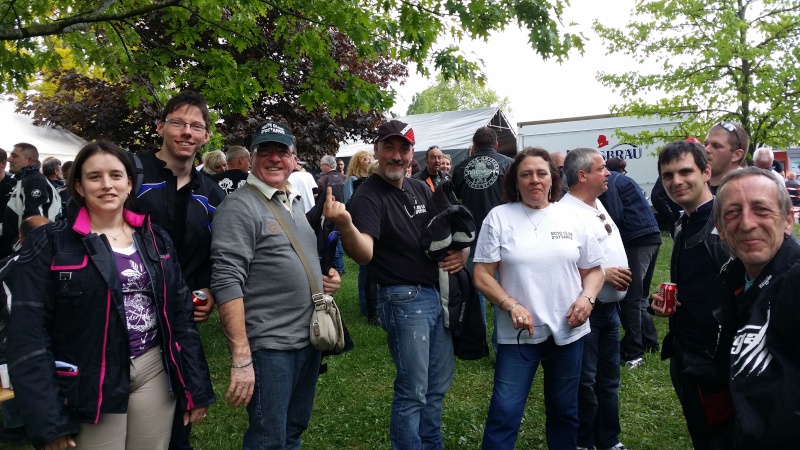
(599, 132)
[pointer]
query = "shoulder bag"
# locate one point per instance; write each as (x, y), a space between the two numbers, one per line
(325, 331)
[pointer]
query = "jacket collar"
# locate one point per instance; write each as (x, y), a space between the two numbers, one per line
(22, 173)
(83, 224)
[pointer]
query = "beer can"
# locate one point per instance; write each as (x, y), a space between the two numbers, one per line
(668, 293)
(199, 297)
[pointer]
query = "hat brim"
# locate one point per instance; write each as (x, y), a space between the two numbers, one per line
(381, 139)
(272, 137)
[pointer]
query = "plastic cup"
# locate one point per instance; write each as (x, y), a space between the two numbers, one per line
(4, 379)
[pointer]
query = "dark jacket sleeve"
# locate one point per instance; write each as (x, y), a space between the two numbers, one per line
(37, 194)
(194, 367)
(30, 355)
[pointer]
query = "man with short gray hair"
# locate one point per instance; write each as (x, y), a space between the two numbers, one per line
(763, 158)
(238, 160)
(51, 169)
(330, 178)
(753, 214)
(598, 392)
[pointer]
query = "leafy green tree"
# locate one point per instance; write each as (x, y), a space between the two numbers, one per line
(93, 107)
(213, 45)
(453, 95)
(735, 60)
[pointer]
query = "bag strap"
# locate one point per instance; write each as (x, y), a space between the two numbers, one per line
(296, 245)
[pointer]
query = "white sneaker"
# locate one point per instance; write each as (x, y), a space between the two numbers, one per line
(619, 446)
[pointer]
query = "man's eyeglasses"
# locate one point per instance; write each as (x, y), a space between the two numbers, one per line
(282, 152)
(178, 124)
(607, 225)
(731, 129)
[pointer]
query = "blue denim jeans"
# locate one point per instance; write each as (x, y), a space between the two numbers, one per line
(338, 258)
(469, 265)
(513, 377)
(280, 409)
(640, 331)
(362, 289)
(422, 350)
(598, 395)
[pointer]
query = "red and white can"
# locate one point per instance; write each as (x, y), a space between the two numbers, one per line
(668, 293)
(199, 298)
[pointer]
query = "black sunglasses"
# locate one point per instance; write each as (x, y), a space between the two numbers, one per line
(731, 129)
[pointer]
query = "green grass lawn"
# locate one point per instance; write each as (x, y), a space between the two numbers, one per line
(354, 397)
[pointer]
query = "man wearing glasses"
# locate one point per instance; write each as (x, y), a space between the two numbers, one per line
(433, 175)
(726, 146)
(265, 297)
(182, 201)
(598, 393)
(697, 257)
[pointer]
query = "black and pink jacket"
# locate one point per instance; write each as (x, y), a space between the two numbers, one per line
(68, 307)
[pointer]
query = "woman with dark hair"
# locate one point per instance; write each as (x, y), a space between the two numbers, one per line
(103, 343)
(548, 266)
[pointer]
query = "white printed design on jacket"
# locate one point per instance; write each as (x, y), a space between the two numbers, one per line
(750, 345)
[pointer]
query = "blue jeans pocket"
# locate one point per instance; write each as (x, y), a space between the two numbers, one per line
(405, 296)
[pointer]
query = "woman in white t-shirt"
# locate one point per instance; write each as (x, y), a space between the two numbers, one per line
(548, 274)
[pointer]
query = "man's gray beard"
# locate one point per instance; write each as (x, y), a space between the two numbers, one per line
(395, 176)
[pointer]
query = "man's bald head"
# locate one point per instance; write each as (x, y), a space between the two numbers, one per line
(30, 224)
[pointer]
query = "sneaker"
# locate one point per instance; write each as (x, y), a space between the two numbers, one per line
(618, 446)
(585, 448)
(632, 364)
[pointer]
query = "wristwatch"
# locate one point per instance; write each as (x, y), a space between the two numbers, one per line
(591, 300)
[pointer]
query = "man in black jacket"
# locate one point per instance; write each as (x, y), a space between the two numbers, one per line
(7, 182)
(33, 195)
(238, 159)
(697, 257)
(478, 183)
(183, 201)
(432, 175)
(758, 341)
(478, 180)
(13, 430)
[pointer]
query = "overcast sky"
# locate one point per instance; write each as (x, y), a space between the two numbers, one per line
(541, 90)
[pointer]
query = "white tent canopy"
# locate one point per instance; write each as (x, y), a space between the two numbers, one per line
(56, 142)
(452, 131)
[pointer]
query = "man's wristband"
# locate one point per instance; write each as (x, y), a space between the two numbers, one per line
(242, 366)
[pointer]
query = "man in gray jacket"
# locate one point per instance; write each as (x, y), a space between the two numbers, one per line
(254, 264)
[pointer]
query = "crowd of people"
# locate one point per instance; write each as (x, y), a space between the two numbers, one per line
(113, 259)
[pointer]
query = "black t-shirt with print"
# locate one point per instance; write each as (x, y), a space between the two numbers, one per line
(395, 218)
